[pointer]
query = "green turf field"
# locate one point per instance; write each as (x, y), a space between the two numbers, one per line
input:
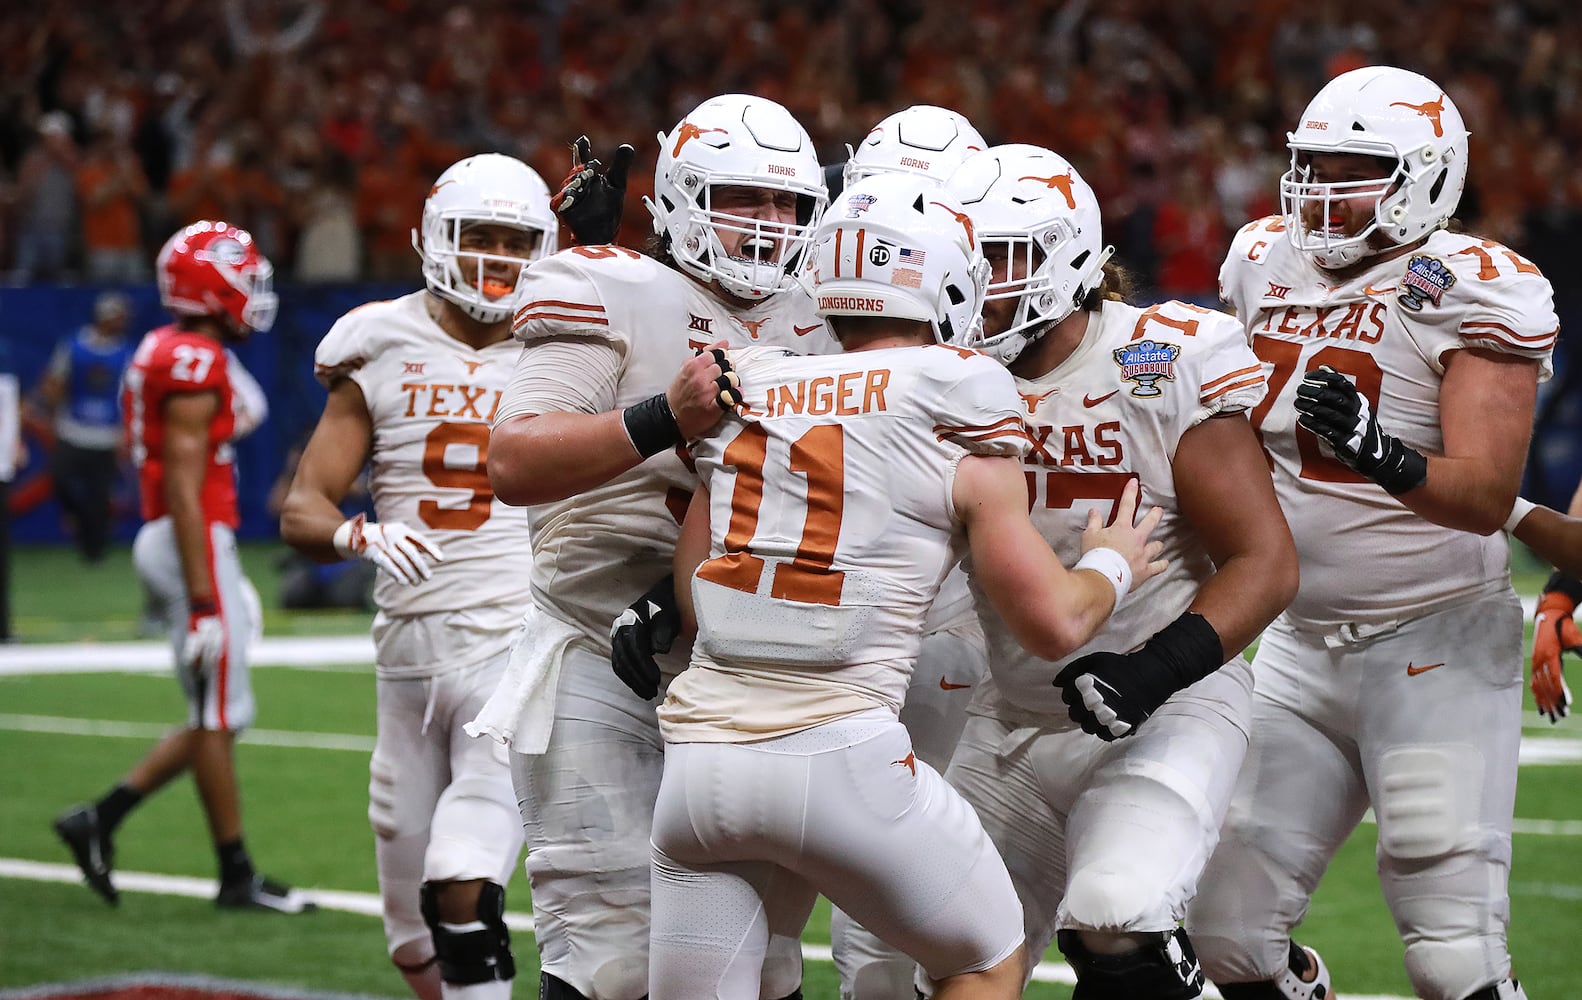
(305, 807)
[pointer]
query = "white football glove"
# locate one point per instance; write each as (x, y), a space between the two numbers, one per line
(393, 547)
(205, 642)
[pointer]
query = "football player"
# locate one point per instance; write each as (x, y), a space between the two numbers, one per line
(833, 502)
(180, 417)
(1404, 361)
(610, 384)
(1105, 838)
(412, 385)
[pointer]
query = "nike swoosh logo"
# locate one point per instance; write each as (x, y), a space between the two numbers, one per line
(945, 685)
(1370, 290)
(1090, 401)
(1412, 671)
(803, 331)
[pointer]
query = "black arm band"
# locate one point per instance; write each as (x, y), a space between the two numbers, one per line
(651, 425)
(1566, 584)
(1189, 647)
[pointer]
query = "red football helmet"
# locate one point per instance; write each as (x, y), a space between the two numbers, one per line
(215, 269)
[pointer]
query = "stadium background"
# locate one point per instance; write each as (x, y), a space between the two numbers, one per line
(320, 126)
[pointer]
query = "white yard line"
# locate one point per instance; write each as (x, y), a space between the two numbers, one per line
(367, 904)
(154, 655)
(154, 730)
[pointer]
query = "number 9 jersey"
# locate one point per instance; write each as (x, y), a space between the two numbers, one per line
(430, 399)
(1391, 327)
(171, 361)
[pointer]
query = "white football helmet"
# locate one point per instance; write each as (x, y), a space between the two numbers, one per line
(488, 188)
(897, 245)
(736, 140)
(923, 139)
(1384, 112)
(1035, 203)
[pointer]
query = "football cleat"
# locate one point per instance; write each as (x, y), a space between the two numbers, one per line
(259, 893)
(91, 848)
(1307, 978)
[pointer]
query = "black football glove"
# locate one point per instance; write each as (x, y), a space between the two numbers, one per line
(649, 626)
(589, 203)
(1330, 406)
(1110, 694)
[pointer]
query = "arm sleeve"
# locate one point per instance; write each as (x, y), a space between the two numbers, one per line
(566, 375)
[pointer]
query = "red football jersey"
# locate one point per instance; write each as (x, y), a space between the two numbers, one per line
(171, 361)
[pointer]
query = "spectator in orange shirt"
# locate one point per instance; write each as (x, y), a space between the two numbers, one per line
(207, 187)
(110, 183)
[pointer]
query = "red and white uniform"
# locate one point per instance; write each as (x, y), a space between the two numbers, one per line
(1113, 836)
(171, 362)
(1394, 678)
(603, 328)
(441, 804)
(787, 773)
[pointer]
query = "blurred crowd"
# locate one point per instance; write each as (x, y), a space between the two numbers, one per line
(320, 125)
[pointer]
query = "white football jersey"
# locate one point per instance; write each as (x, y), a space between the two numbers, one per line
(596, 553)
(1114, 411)
(833, 528)
(431, 399)
(1365, 557)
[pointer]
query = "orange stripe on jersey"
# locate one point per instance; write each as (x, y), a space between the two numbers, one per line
(589, 320)
(1499, 331)
(1016, 422)
(1238, 374)
(1217, 393)
(1007, 437)
(564, 304)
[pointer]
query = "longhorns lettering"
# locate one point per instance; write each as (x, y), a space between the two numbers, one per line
(1060, 182)
(1432, 110)
(687, 131)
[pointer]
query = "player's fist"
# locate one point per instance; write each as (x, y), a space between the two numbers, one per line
(1110, 694)
(649, 626)
(1554, 632)
(706, 388)
(590, 203)
(1329, 405)
(393, 547)
(204, 644)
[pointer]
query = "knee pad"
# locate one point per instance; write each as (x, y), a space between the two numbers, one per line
(1449, 969)
(1165, 970)
(1289, 984)
(550, 988)
(1109, 900)
(475, 952)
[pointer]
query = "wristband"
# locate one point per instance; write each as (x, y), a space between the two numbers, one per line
(1522, 509)
(1112, 566)
(202, 607)
(348, 535)
(651, 426)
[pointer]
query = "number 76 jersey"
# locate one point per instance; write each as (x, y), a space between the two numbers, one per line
(431, 399)
(1365, 557)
